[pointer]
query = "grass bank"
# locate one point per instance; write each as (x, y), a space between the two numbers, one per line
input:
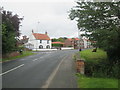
(97, 71)
(91, 82)
(88, 55)
(25, 53)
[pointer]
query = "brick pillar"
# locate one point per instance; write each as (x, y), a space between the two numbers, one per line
(80, 66)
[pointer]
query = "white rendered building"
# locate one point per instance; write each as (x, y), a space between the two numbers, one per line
(39, 41)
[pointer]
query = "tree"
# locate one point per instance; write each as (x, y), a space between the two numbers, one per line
(10, 31)
(101, 23)
(61, 39)
(54, 40)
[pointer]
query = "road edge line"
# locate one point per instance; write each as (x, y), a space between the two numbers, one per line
(47, 83)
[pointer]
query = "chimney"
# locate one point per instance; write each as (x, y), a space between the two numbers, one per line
(46, 33)
(32, 31)
(24, 37)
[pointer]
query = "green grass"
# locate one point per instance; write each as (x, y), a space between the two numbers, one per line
(25, 53)
(90, 82)
(88, 55)
(98, 79)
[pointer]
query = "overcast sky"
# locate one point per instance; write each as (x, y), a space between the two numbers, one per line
(52, 15)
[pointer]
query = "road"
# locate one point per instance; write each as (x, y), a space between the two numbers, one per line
(54, 69)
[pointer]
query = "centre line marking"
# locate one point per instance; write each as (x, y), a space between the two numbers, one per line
(35, 59)
(11, 69)
(22, 59)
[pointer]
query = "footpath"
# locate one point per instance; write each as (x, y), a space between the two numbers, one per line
(65, 76)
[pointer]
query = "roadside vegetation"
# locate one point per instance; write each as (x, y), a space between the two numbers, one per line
(25, 53)
(11, 48)
(92, 82)
(98, 71)
(100, 22)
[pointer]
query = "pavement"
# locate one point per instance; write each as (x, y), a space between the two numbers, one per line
(65, 76)
(53, 69)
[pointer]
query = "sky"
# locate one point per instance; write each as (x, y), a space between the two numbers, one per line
(44, 15)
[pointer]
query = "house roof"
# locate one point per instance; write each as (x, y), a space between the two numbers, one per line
(76, 38)
(57, 43)
(70, 39)
(41, 36)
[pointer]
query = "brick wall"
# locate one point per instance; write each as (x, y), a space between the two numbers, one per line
(11, 54)
(67, 43)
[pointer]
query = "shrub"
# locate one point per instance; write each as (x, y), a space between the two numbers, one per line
(98, 65)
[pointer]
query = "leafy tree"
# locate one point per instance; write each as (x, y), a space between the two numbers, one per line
(57, 45)
(10, 31)
(54, 40)
(101, 23)
(61, 39)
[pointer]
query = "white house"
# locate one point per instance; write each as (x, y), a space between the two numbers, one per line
(39, 41)
(87, 43)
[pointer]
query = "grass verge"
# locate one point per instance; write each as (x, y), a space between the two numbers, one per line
(96, 71)
(88, 55)
(25, 53)
(91, 82)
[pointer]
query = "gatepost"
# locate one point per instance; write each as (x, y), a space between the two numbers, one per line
(80, 65)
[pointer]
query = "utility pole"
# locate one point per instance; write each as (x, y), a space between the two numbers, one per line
(79, 37)
(37, 37)
(78, 40)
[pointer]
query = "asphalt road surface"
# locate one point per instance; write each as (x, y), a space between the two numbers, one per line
(53, 69)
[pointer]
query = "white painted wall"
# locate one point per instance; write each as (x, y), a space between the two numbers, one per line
(67, 48)
(44, 43)
(85, 43)
(36, 43)
(45, 49)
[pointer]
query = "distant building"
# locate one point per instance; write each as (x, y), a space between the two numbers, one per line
(39, 41)
(74, 42)
(77, 42)
(22, 41)
(68, 42)
(87, 43)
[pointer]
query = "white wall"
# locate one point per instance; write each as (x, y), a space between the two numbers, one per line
(44, 43)
(67, 48)
(36, 43)
(85, 43)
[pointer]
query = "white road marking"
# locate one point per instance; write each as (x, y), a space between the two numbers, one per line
(53, 74)
(35, 59)
(11, 69)
(22, 59)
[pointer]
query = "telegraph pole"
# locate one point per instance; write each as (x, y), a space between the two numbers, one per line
(37, 35)
(79, 37)
(78, 40)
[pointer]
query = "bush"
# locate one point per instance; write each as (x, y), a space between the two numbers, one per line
(57, 45)
(98, 65)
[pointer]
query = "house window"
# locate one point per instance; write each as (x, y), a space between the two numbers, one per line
(40, 47)
(47, 41)
(47, 46)
(40, 41)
